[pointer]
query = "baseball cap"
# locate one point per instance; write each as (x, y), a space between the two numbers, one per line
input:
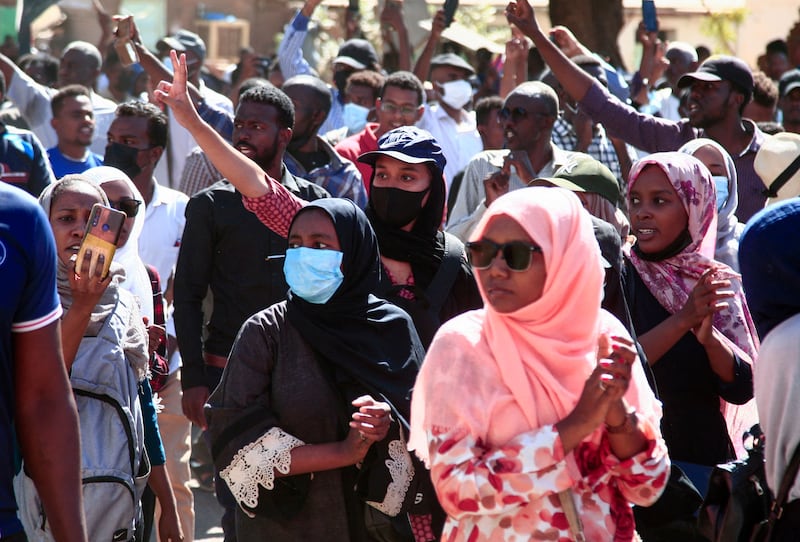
(408, 144)
(358, 54)
(582, 173)
(452, 59)
(722, 68)
(183, 40)
(789, 81)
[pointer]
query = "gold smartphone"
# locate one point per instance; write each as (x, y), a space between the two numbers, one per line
(101, 236)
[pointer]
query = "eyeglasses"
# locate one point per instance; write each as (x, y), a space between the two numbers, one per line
(518, 114)
(406, 110)
(129, 206)
(517, 254)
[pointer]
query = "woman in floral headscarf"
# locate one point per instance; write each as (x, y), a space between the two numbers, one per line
(689, 311)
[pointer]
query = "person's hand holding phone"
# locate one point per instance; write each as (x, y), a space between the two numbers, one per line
(87, 286)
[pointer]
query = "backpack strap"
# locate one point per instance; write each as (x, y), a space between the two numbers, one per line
(445, 276)
(786, 484)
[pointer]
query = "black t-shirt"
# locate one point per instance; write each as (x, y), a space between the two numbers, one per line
(693, 426)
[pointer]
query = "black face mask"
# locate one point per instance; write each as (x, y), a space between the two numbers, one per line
(396, 207)
(340, 80)
(123, 158)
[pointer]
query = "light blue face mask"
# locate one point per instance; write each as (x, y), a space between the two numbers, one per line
(313, 274)
(721, 184)
(354, 117)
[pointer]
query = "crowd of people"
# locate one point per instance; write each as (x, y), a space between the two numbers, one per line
(427, 300)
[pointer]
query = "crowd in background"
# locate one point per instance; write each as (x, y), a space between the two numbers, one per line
(444, 295)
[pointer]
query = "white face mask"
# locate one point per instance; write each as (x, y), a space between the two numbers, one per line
(721, 184)
(354, 117)
(456, 94)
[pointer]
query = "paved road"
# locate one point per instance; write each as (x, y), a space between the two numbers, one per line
(207, 516)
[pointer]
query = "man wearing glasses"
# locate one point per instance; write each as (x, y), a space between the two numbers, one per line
(527, 119)
(399, 104)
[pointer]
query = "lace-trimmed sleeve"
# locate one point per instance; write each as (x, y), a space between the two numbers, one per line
(255, 465)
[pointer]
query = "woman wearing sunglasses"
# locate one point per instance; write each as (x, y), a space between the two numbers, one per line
(106, 353)
(533, 413)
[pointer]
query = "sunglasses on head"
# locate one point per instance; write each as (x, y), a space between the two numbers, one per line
(517, 254)
(129, 206)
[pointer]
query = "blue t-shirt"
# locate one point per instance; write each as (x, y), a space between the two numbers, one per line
(29, 301)
(23, 160)
(63, 165)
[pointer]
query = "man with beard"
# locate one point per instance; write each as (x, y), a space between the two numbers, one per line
(80, 64)
(225, 249)
(308, 155)
(718, 93)
(527, 116)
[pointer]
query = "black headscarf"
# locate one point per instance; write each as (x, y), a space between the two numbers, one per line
(363, 337)
(423, 246)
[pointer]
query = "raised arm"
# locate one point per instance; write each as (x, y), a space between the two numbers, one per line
(575, 81)
(423, 65)
(242, 172)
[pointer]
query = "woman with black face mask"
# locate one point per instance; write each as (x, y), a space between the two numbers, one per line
(425, 269)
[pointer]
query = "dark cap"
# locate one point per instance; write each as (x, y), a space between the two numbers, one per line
(722, 68)
(582, 173)
(183, 40)
(789, 81)
(452, 59)
(358, 54)
(408, 144)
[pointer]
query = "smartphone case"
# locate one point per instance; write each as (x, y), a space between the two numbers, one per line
(102, 233)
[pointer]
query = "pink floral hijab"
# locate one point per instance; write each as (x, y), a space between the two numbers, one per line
(672, 279)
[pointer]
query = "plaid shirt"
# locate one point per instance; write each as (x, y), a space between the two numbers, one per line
(339, 176)
(198, 173)
(601, 148)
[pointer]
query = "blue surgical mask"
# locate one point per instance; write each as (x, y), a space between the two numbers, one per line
(354, 117)
(313, 274)
(721, 184)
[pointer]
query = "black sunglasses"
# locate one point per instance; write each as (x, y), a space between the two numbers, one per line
(518, 114)
(129, 206)
(517, 254)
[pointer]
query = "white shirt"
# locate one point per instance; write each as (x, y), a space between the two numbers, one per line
(33, 101)
(460, 141)
(160, 241)
(469, 206)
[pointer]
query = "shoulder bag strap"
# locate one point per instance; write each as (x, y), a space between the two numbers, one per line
(445, 276)
(628, 296)
(786, 484)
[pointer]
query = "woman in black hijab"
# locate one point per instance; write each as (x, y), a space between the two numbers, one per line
(310, 385)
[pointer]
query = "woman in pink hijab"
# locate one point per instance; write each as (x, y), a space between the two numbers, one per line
(534, 413)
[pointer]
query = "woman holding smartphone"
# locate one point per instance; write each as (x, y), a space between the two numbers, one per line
(105, 348)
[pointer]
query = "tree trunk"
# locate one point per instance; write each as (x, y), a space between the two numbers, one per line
(596, 23)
